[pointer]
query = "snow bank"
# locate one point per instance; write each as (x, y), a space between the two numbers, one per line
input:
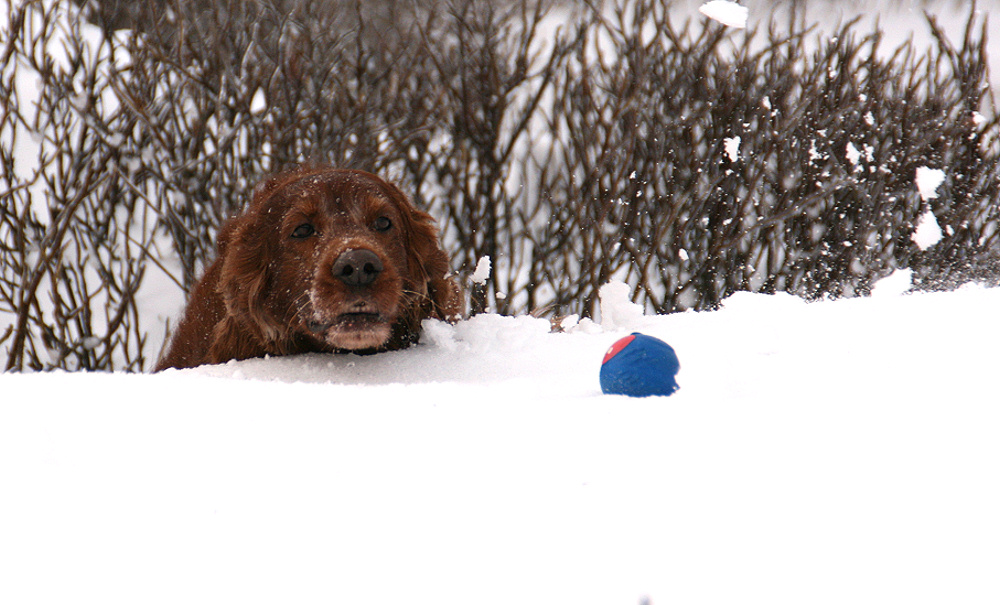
(838, 452)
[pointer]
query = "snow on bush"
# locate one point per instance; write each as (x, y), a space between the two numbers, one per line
(482, 272)
(928, 232)
(928, 180)
(732, 146)
(725, 12)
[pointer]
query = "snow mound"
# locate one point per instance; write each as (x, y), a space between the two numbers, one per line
(486, 349)
(838, 451)
(618, 312)
(482, 272)
(896, 283)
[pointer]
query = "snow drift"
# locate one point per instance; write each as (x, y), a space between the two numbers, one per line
(829, 452)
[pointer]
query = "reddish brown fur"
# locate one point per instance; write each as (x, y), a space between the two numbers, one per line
(269, 292)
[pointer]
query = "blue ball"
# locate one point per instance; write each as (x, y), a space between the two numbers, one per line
(639, 366)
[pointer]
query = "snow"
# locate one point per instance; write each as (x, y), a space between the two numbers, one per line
(928, 180)
(898, 282)
(900, 21)
(727, 13)
(482, 272)
(618, 312)
(259, 102)
(732, 146)
(838, 451)
(928, 231)
(852, 153)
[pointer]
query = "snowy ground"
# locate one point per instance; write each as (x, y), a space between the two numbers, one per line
(835, 452)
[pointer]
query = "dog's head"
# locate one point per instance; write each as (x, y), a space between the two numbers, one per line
(338, 259)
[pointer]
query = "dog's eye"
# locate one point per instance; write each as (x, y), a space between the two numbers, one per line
(303, 231)
(383, 223)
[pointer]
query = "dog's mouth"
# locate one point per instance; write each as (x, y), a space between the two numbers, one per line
(347, 321)
(353, 330)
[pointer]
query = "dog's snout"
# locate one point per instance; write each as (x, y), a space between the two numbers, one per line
(357, 267)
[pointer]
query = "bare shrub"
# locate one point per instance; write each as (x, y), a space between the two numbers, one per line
(73, 247)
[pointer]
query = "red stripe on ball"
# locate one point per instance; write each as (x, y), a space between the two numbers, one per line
(617, 347)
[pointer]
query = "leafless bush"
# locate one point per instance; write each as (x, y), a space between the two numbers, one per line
(685, 159)
(818, 200)
(73, 249)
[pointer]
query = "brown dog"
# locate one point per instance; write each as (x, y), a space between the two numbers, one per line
(323, 260)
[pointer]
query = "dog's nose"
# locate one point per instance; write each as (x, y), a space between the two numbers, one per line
(357, 267)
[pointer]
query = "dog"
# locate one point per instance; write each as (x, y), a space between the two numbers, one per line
(323, 260)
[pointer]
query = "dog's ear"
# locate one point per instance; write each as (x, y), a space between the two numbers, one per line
(429, 263)
(247, 244)
(230, 339)
(442, 289)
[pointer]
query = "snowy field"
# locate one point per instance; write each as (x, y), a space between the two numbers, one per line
(834, 452)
